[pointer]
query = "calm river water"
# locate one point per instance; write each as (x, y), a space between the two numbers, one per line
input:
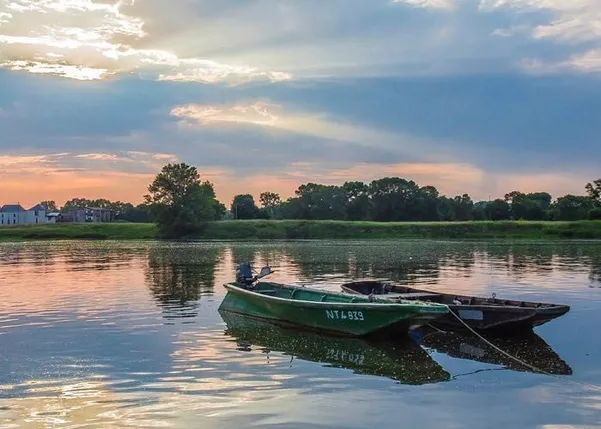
(116, 334)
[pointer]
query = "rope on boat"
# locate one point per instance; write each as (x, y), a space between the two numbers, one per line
(532, 367)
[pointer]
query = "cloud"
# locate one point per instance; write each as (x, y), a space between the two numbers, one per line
(270, 116)
(256, 113)
(135, 162)
(88, 40)
(589, 61)
(575, 23)
(431, 4)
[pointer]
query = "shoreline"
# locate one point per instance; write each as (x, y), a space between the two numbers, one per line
(260, 230)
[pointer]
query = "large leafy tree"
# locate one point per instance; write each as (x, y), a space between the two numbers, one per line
(357, 200)
(498, 210)
(244, 207)
(394, 199)
(76, 203)
(534, 206)
(594, 191)
(463, 207)
(270, 201)
(571, 208)
(180, 203)
(50, 205)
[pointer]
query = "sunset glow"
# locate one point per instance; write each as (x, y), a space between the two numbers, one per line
(479, 97)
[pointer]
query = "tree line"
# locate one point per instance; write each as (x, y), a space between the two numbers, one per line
(180, 203)
(393, 199)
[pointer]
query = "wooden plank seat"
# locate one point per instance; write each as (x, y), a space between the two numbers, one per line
(410, 295)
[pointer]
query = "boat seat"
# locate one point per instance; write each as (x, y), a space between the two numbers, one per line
(268, 291)
(413, 295)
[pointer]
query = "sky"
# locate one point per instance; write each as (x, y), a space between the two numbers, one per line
(471, 96)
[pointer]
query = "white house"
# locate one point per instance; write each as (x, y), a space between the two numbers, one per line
(15, 214)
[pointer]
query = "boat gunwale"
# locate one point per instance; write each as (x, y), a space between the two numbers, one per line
(385, 305)
(536, 306)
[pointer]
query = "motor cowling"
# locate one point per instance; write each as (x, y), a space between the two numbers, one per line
(244, 274)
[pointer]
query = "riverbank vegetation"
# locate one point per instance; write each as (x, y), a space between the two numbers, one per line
(302, 229)
(180, 204)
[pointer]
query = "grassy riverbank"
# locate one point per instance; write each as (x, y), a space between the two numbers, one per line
(295, 229)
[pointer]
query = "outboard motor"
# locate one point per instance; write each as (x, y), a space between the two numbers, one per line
(244, 274)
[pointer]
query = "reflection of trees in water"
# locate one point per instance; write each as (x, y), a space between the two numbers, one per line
(258, 255)
(593, 259)
(520, 260)
(31, 253)
(86, 256)
(560, 257)
(179, 276)
(421, 262)
(407, 262)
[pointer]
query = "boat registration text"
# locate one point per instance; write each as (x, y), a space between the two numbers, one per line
(344, 315)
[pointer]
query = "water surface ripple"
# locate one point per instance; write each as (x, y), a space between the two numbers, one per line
(112, 334)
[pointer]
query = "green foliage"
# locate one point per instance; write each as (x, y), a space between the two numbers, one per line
(498, 210)
(50, 206)
(308, 229)
(394, 199)
(479, 211)
(79, 231)
(270, 203)
(528, 206)
(314, 201)
(358, 203)
(594, 191)
(180, 203)
(138, 214)
(571, 208)
(75, 203)
(595, 214)
(303, 229)
(244, 207)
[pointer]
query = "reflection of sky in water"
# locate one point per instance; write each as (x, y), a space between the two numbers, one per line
(129, 335)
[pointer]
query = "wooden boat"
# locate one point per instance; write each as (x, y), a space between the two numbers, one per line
(500, 316)
(323, 310)
(406, 362)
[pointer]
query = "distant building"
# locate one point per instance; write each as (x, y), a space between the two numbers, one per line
(15, 214)
(53, 217)
(90, 214)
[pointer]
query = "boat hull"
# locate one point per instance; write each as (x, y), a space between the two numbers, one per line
(491, 315)
(357, 319)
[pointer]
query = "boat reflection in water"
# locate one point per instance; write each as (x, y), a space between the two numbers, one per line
(405, 362)
(528, 347)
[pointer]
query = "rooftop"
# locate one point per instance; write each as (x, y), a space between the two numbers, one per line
(12, 208)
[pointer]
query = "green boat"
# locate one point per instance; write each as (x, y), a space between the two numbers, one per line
(322, 310)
